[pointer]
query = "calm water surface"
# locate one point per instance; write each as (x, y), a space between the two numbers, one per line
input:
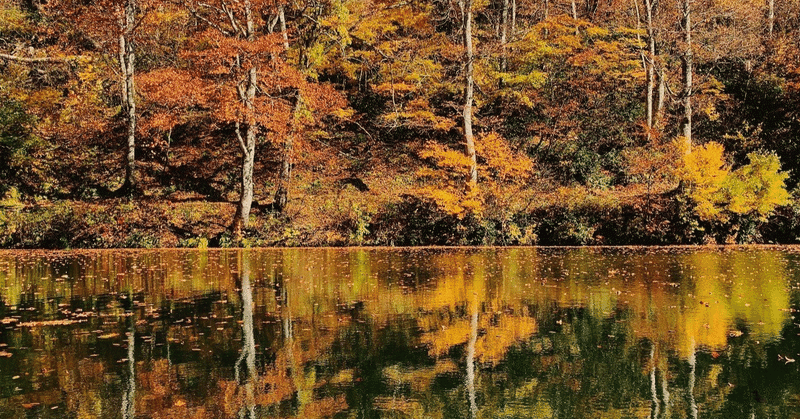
(426, 333)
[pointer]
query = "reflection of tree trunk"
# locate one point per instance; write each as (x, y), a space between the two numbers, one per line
(653, 386)
(473, 338)
(248, 342)
(665, 393)
(288, 346)
(692, 401)
(129, 400)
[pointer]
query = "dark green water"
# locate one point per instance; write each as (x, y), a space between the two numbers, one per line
(428, 333)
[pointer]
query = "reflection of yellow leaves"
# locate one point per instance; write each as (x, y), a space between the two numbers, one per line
(440, 342)
(410, 408)
(420, 378)
(342, 377)
(509, 330)
(323, 408)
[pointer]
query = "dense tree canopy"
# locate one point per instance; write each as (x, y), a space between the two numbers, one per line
(399, 122)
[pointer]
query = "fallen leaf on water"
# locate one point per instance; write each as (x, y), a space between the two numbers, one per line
(50, 323)
(108, 336)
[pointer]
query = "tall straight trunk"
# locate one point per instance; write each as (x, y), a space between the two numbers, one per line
(127, 55)
(247, 92)
(546, 10)
(575, 15)
(284, 177)
(662, 97)
(651, 64)
(639, 37)
(771, 18)
(466, 9)
(688, 58)
(513, 18)
(282, 18)
(504, 36)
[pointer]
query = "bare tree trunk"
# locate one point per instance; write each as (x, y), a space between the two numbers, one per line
(284, 179)
(688, 58)
(771, 18)
(638, 37)
(248, 144)
(662, 97)
(513, 18)
(127, 56)
(466, 9)
(651, 64)
(282, 18)
(575, 15)
(546, 9)
(504, 36)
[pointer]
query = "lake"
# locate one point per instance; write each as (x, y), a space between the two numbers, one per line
(691, 332)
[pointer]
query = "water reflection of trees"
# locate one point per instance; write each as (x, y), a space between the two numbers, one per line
(488, 333)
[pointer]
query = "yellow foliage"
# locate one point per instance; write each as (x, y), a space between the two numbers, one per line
(501, 161)
(704, 171)
(445, 157)
(756, 188)
(12, 19)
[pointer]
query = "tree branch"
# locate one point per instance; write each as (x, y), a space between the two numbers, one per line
(197, 15)
(40, 59)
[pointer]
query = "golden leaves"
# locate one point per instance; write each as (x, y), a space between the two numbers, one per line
(756, 188)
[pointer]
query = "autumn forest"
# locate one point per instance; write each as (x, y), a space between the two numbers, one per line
(224, 123)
